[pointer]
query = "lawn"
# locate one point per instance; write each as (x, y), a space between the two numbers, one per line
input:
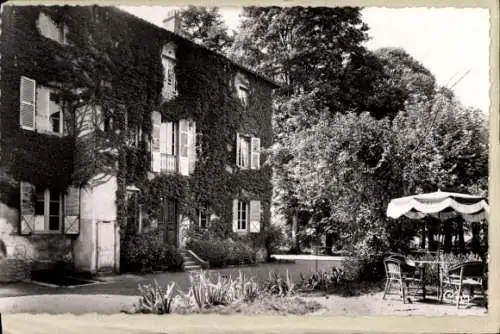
(127, 284)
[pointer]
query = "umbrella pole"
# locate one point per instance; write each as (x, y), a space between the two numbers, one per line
(422, 242)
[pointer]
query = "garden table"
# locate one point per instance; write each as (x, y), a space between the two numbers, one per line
(422, 264)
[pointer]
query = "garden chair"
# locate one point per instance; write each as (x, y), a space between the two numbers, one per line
(463, 275)
(395, 274)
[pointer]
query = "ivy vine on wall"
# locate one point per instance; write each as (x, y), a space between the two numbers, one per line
(107, 45)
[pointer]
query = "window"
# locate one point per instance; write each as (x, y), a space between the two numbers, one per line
(247, 152)
(40, 108)
(55, 112)
(108, 124)
(203, 217)
(244, 152)
(52, 30)
(242, 85)
(48, 210)
(243, 95)
(243, 211)
(169, 81)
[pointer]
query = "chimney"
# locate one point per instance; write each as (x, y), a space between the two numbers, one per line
(173, 21)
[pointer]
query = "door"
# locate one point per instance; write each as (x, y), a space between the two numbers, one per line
(105, 246)
(170, 221)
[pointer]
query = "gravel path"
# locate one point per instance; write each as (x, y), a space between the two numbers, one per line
(365, 305)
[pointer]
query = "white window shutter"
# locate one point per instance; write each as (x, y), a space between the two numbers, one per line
(192, 147)
(235, 215)
(27, 103)
(27, 209)
(163, 137)
(155, 142)
(255, 155)
(184, 147)
(169, 141)
(237, 149)
(254, 216)
(72, 211)
(42, 117)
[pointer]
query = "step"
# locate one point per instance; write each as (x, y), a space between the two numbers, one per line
(190, 263)
(191, 268)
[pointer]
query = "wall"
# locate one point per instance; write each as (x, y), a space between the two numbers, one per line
(38, 247)
(96, 204)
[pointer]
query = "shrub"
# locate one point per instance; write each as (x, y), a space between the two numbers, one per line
(222, 252)
(363, 268)
(146, 252)
(156, 299)
(323, 280)
(279, 286)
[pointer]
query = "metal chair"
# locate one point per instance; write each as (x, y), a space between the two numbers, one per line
(460, 276)
(395, 274)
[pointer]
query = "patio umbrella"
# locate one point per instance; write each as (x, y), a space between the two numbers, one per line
(441, 205)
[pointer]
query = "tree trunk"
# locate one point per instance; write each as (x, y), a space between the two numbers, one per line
(423, 236)
(430, 234)
(329, 243)
(447, 237)
(475, 244)
(295, 230)
(461, 241)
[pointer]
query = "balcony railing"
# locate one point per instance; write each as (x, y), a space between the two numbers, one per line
(168, 163)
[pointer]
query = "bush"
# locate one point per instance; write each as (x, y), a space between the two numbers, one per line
(279, 286)
(156, 299)
(323, 280)
(364, 268)
(221, 252)
(146, 252)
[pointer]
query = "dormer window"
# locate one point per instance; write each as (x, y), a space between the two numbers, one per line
(169, 80)
(243, 94)
(52, 30)
(242, 88)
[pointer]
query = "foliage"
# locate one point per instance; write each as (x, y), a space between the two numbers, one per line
(322, 280)
(206, 26)
(278, 285)
(155, 299)
(148, 251)
(363, 268)
(113, 59)
(221, 252)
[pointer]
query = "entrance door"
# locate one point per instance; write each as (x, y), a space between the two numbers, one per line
(105, 246)
(170, 221)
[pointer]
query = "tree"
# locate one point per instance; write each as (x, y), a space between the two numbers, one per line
(206, 26)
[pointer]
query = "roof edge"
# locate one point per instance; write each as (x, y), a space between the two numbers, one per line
(261, 76)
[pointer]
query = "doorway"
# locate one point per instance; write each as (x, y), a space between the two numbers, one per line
(170, 220)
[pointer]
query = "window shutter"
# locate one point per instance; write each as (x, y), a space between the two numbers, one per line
(169, 141)
(237, 149)
(254, 216)
(72, 211)
(192, 146)
(255, 156)
(42, 117)
(183, 147)
(155, 142)
(27, 208)
(27, 103)
(235, 215)
(163, 137)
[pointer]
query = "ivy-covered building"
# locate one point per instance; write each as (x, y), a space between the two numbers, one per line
(111, 126)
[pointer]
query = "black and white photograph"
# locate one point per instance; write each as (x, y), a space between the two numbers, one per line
(161, 160)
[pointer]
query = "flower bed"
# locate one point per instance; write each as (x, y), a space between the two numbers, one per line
(226, 295)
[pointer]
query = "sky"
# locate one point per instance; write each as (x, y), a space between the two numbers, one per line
(450, 42)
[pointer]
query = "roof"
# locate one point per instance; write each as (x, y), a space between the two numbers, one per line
(240, 66)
